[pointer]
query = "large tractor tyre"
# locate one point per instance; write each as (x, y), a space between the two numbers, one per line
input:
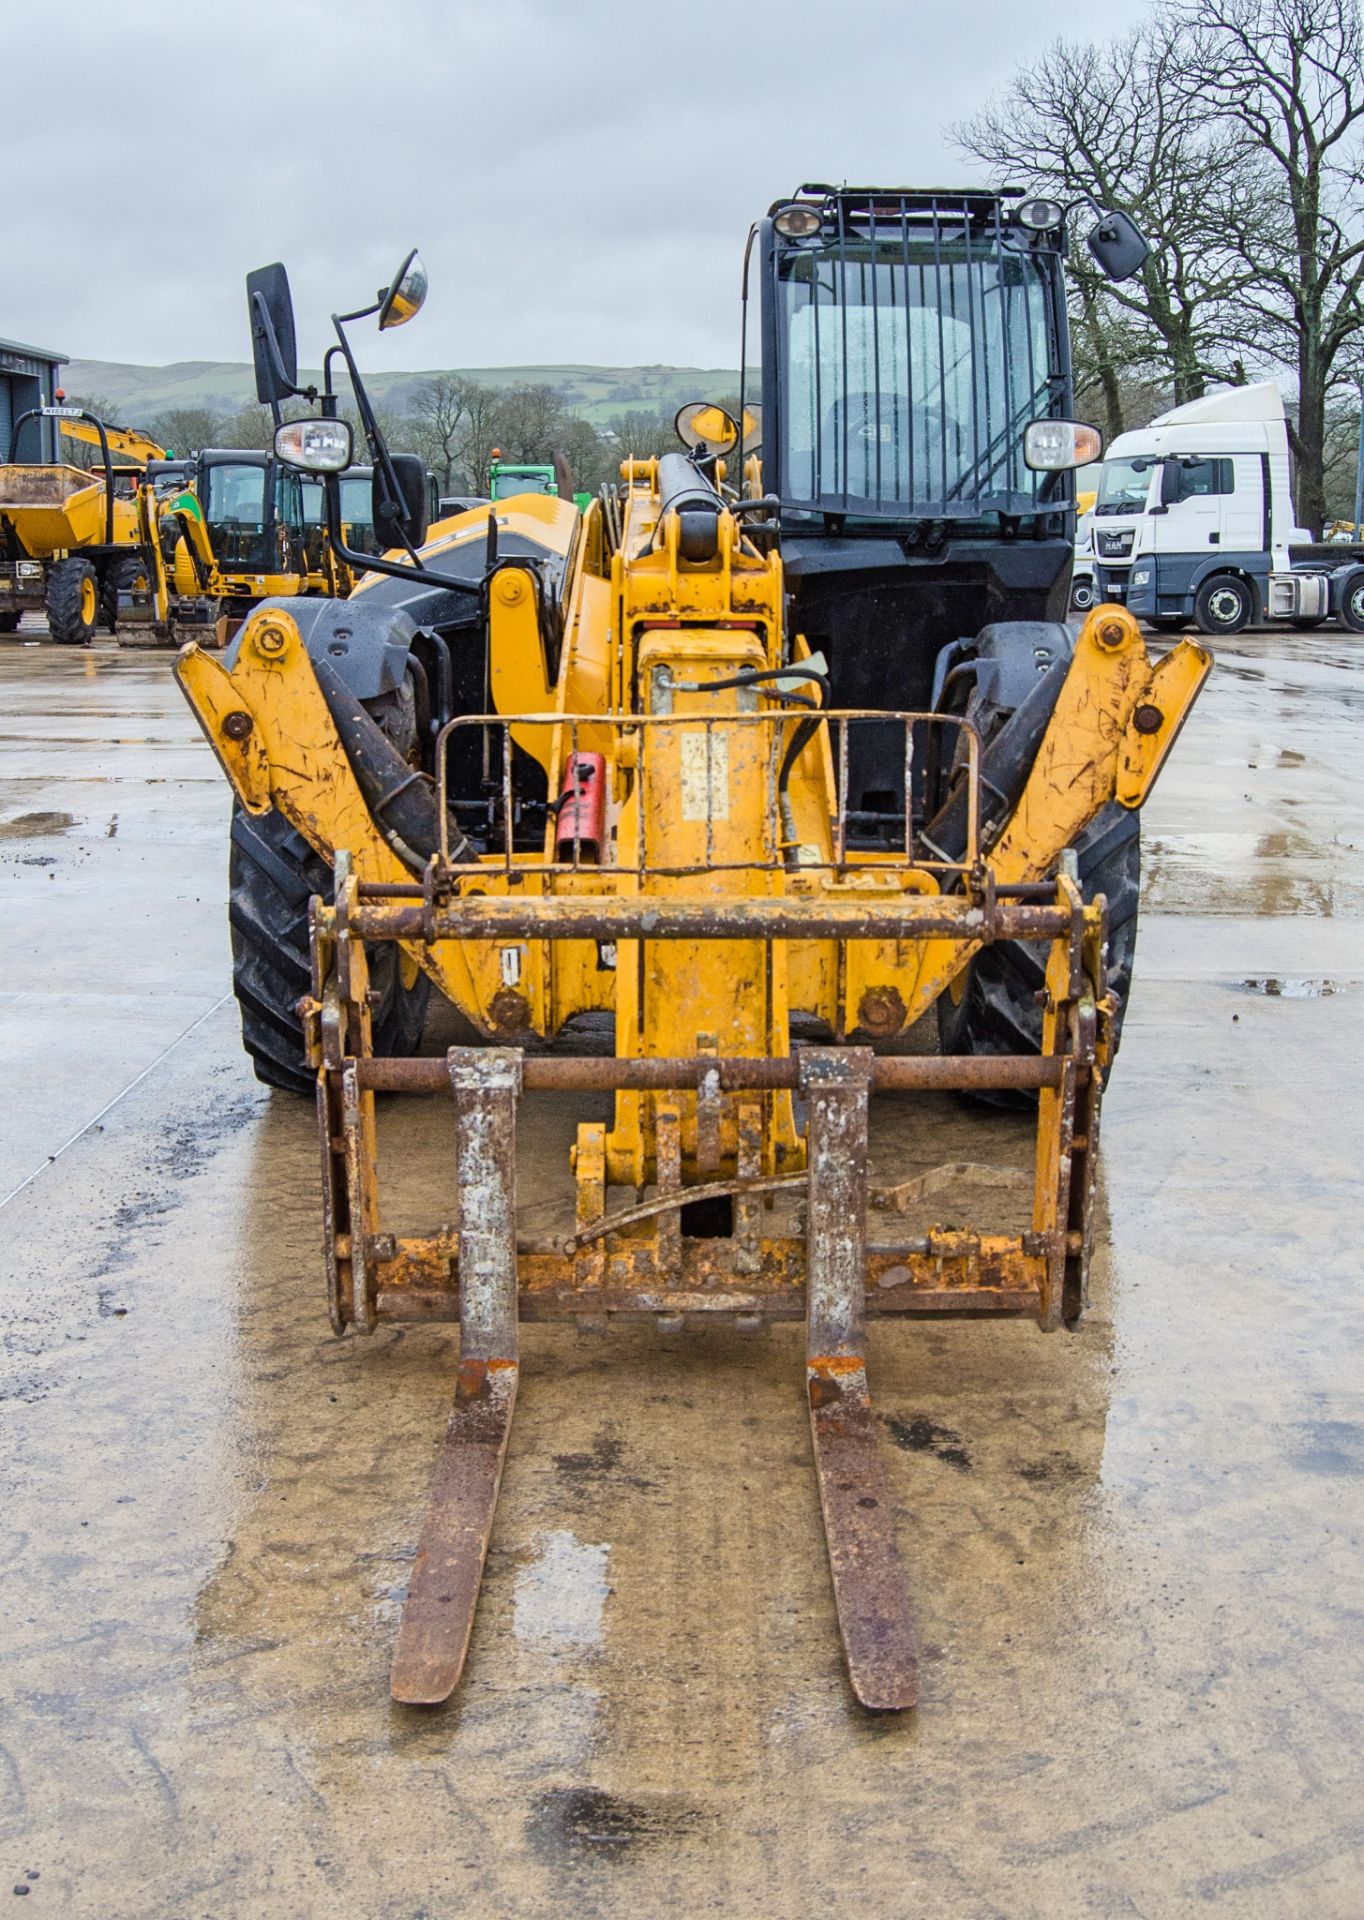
(997, 1009)
(272, 875)
(1224, 605)
(72, 602)
(9, 622)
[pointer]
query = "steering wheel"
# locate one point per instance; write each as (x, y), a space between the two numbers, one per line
(869, 415)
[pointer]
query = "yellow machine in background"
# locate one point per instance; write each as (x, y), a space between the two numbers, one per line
(560, 766)
(75, 541)
(147, 545)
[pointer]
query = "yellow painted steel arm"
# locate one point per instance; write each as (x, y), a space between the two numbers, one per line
(1094, 733)
(124, 440)
(275, 738)
(1107, 739)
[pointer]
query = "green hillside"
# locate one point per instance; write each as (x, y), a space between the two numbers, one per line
(224, 386)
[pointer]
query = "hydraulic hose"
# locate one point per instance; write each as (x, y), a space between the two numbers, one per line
(401, 799)
(1004, 768)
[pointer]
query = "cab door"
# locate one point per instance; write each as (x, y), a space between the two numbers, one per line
(237, 513)
(1192, 491)
(1243, 509)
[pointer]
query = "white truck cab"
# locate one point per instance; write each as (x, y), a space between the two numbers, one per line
(1193, 514)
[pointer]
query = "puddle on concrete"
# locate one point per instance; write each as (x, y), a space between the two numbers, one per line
(34, 826)
(561, 1595)
(1288, 987)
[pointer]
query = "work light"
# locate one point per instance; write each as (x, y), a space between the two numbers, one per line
(317, 446)
(797, 223)
(1041, 216)
(1053, 446)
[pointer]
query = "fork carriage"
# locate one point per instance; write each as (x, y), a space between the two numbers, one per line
(698, 1132)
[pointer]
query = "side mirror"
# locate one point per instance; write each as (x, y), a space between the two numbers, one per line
(402, 522)
(703, 425)
(273, 346)
(1171, 483)
(1119, 246)
(405, 296)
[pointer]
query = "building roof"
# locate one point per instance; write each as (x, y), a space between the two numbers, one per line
(35, 353)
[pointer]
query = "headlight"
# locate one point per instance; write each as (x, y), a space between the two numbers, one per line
(1141, 576)
(317, 446)
(29, 570)
(1054, 446)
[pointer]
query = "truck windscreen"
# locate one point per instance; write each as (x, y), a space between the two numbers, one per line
(1124, 486)
(911, 366)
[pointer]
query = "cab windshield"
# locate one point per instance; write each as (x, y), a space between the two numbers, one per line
(1125, 486)
(511, 480)
(911, 366)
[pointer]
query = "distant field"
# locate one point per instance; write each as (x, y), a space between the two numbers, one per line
(598, 393)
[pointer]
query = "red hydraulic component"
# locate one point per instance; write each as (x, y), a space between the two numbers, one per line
(582, 809)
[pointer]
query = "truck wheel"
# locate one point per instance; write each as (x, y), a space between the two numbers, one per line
(1084, 594)
(1225, 604)
(1350, 609)
(997, 1011)
(272, 875)
(72, 602)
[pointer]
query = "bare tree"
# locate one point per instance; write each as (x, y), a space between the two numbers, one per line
(185, 430)
(1117, 123)
(641, 436)
(481, 434)
(1287, 77)
(99, 404)
(530, 420)
(437, 424)
(593, 460)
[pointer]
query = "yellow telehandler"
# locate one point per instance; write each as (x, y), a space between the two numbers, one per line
(767, 755)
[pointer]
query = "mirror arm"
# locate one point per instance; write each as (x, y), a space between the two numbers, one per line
(361, 313)
(378, 562)
(265, 330)
(374, 440)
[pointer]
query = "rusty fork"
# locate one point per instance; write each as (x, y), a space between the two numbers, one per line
(869, 1586)
(438, 1618)
(859, 1526)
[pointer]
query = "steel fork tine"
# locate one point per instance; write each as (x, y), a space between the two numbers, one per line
(854, 1493)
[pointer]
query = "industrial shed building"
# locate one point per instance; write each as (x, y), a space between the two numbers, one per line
(28, 378)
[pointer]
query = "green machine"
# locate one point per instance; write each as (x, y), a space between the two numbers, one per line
(506, 477)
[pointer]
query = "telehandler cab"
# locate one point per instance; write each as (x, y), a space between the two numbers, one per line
(766, 756)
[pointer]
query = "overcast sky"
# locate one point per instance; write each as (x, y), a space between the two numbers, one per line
(579, 175)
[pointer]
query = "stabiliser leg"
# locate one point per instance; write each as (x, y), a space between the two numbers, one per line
(869, 1582)
(438, 1618)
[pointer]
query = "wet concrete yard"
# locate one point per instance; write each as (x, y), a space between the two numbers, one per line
(1135, 1552)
